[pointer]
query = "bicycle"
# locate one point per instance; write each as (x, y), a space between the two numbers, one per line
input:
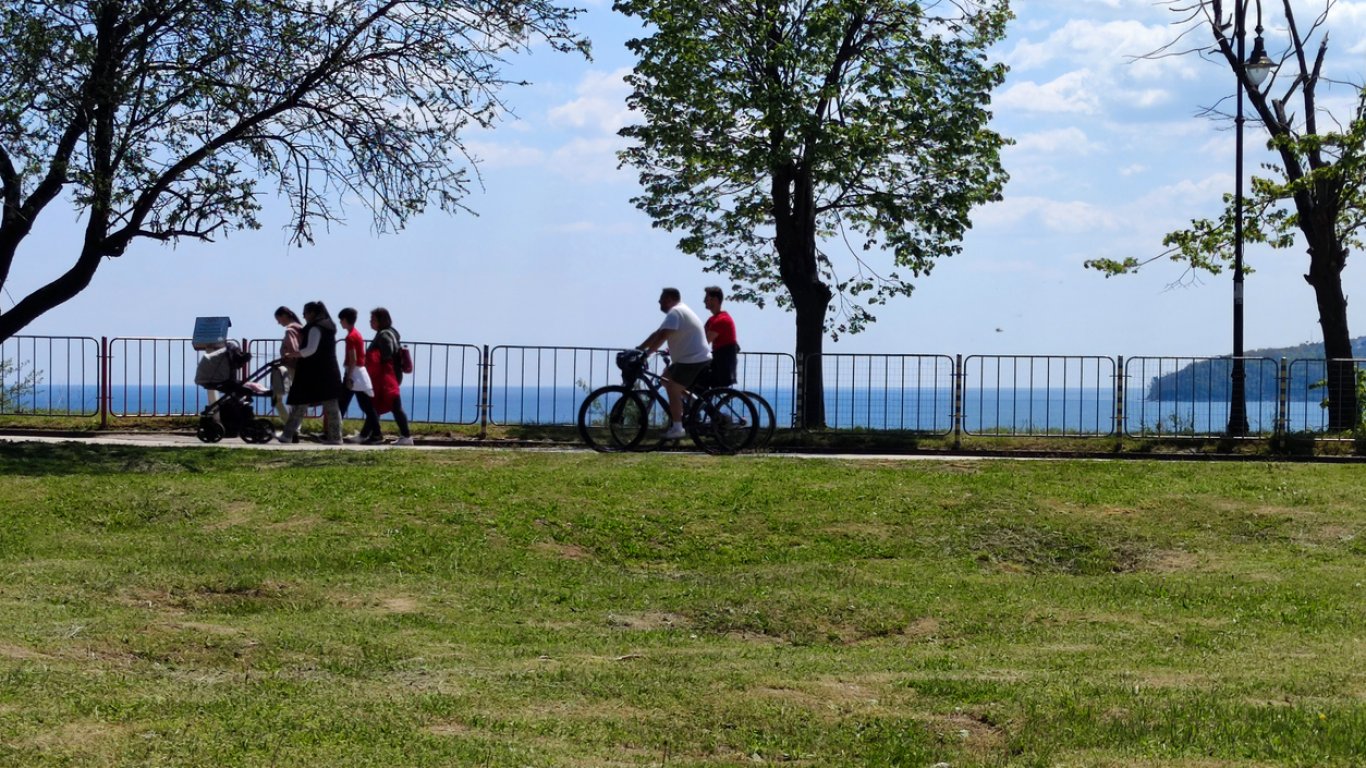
(634, 415)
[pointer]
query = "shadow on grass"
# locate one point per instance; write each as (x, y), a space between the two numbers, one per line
(75, 458)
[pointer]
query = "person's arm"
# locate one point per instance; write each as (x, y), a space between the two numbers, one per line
(655, 340)
(315, 340)
(351, 360)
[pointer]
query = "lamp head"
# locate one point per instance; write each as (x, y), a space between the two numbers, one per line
(1258, 64)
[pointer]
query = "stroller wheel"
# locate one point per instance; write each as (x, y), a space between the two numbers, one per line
(210, 431)
(258, 431)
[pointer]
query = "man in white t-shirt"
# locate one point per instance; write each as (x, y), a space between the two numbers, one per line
(688, 348)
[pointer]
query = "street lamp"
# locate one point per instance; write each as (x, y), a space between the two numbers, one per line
(1255, 69)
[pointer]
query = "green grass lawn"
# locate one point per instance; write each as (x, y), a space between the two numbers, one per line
(215, 607)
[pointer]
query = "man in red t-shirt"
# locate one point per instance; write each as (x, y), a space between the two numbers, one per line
(725, 347)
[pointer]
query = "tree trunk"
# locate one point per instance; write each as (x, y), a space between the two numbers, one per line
(795, 240)
(1325, 275)
(811, 306)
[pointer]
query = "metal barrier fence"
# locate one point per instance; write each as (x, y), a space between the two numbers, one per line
(905, 393)
(1306, 396)
(152, 377)
(544, 386)
(50, 375)
(1189, 396)
(1040, 396)
(773, 376)
(978, 395)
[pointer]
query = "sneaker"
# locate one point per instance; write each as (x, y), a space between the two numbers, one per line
(287, 439)
(332, 442)
(404, 441)
(676, 432)
(372, 440)
(354, 440)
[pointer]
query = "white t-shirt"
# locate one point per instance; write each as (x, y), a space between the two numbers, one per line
(688, 342)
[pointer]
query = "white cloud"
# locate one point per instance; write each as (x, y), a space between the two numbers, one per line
(589, 160)
(1057, 216)
(1070, 140)
(601, 103)
(1105, 46)
(1070, 93)
(500, 155)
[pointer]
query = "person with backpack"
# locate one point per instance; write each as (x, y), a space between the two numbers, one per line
(385, 361)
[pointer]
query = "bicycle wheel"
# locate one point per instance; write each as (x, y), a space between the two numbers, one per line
(768, 422)
(723, 421)
(612, 419)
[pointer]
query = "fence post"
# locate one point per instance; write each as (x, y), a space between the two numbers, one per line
(1119, 401)
(798, 404)
(1282, 398)
(102, 397)
(485, 384)
(959, 378)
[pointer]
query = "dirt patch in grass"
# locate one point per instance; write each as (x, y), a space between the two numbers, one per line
(974, 731)
(206, 628)
(19, 653)
(563, 551)
(449, 728)
(1171, 561)
(922, 628)
(649, 621)
(236, 514)
(77, 738)
(301, 523)
(399, 604)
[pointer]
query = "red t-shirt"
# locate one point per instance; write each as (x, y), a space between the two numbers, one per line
(355, 348)
(723, 326)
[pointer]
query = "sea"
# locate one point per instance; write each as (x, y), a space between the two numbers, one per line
(927, 411)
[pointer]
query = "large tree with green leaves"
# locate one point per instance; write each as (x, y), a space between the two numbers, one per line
(1315, 194)
(788, 140)
(161, 119)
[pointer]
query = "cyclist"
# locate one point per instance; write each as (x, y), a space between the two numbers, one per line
(725, 348)
(687, 340)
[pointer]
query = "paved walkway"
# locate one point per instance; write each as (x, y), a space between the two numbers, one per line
(181, 440)
(178, 440)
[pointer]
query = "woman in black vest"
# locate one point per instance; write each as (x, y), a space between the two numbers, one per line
(317, 377)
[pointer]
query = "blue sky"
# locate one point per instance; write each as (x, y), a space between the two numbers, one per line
(1110, 155)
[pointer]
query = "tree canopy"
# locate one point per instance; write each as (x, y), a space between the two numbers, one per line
(790, 141)
(1317, 191)
(170, 119)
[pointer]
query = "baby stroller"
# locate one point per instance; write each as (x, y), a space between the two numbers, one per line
(232, 415)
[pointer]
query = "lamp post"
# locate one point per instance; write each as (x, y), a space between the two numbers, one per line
(1253, 71)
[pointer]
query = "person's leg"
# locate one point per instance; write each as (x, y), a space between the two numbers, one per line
(279, 386)
(296, 417)
(332, 421)
(344, 402)
(371, 431)
(401, 419)
(676, 391)
(367, 410)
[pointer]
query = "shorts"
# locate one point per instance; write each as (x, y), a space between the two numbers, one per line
(685, 373)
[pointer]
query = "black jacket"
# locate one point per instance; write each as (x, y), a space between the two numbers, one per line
(317, 377)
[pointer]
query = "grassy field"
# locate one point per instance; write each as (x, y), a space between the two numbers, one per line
(212, 607)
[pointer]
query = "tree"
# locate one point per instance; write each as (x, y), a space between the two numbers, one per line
(787, 140)
(160, 119)
(1318, 189)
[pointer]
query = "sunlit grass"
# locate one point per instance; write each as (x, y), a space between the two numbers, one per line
(250, 608)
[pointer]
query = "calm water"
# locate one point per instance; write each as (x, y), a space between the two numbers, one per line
(925, 410)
